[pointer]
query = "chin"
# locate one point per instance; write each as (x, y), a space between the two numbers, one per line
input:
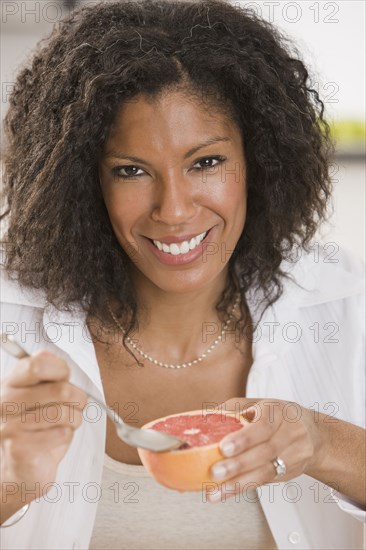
(184, 282)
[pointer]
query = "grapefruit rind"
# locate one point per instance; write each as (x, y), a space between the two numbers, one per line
(186, 469)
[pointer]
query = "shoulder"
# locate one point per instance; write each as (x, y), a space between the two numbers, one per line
(324, 274)
(12, 292)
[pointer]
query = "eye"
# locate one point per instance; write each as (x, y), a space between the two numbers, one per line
(218, 158)
(117, 171)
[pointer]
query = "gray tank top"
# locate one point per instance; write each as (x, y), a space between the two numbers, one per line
(137, 513)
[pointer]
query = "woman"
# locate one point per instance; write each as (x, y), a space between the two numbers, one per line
(167, 166)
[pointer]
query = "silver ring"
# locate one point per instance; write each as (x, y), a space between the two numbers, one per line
(279, 466)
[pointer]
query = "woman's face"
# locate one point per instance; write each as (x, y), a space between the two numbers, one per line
(161, 183)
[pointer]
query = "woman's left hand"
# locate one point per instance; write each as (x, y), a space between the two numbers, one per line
(277, 428)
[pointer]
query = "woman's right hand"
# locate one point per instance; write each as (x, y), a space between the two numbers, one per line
(40, 410)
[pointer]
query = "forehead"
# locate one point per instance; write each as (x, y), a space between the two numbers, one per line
(172, 117)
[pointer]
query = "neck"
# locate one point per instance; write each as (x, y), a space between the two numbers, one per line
(177, 327)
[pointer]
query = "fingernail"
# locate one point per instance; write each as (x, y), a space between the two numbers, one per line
(251, 411)
(214, 497)
(228, 448)
(219, 471)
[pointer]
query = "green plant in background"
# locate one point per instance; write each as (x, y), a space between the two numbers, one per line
(348, 133)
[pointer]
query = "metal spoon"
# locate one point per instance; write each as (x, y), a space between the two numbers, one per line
(135, 437)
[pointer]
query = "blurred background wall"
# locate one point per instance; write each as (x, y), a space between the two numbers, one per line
(331, 39)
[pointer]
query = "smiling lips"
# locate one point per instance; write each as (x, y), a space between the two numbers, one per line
(177, 248)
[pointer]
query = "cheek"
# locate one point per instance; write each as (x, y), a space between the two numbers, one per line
(232, 198)
(122, 222)
(124, 210)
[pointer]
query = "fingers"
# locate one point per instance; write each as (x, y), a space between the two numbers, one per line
(238, 484)
(294, 455)
(251, 435)
(38, 396)
(257, 445)
(252, 459)
(262, 471)
(42, 394)
(40, 411)
(54, 415)
(40, 367)
(38, 442)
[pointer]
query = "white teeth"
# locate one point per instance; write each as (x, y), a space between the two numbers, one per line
(181, 248)
(174, 249)
(184, 247)
(192, 243)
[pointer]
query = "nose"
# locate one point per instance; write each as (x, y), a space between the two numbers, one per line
(173, 202)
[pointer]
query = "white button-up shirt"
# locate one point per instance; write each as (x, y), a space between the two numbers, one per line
(309, 349)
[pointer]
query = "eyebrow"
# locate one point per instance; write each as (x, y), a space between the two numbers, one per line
(192, 151)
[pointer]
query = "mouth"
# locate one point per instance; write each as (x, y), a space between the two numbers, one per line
(179, 248)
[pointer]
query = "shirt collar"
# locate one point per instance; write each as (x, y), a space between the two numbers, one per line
(72, 335)
(316, 281)
(11, 292)
(74, 338)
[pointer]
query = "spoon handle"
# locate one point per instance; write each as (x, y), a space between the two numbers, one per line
(11, 346)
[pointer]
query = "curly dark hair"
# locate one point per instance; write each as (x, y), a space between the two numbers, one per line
(59, 236)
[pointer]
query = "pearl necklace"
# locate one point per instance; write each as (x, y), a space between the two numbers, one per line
(182, 365)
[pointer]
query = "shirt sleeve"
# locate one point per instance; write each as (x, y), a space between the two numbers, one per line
(356, 266)
(349, 506)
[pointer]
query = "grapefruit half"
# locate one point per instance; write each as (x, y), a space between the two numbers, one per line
(188, 468)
